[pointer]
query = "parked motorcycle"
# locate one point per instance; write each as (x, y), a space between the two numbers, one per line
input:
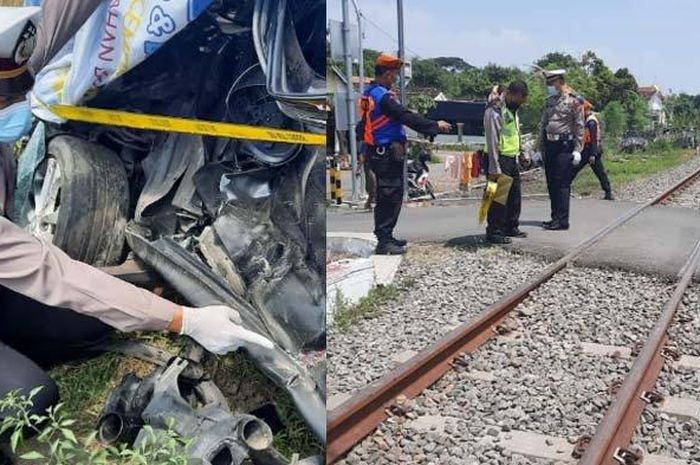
(418, 177)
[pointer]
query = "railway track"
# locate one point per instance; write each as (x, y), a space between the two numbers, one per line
(349, 423)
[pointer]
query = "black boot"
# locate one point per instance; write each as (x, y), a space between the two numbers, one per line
(388, 247)
(498, 239)
(399, 242)
(516, 233)
(555, 226)
(609, 196)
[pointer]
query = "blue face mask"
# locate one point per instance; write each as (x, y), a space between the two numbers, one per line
(551, 90)
(15, 121)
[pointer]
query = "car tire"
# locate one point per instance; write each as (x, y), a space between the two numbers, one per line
(91, 200)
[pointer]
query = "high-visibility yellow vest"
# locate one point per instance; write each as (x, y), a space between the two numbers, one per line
(509, 141)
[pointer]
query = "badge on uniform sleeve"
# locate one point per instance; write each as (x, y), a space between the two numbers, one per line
(25, 44)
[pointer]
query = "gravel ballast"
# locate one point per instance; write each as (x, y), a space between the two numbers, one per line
(536, 379)
(646, 189)
(442, 287)
(663, 434)
(688, 197)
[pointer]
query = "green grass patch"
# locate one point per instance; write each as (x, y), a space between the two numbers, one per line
(622, 169)
(346, 314)
(84, 387)
(626, 168)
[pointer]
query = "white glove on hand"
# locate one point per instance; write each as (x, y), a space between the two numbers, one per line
(577, 158)
(217, 328)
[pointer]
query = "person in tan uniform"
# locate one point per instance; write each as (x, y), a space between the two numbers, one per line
(561, 142)
(53, 308)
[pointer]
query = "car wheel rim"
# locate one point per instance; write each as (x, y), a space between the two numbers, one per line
(47, 196)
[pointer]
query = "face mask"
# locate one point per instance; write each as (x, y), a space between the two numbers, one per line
(15, 121)
(551, 90)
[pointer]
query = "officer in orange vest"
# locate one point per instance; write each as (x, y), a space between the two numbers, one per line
(593, 150)
(382, 130)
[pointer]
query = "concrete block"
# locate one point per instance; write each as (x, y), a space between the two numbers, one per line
(602, 350)
(481, 375)
(681, 407)
(359, 244)
(689, 361)
(337, 400)
(663, 460)
(403, 357)
(554, 449)
(353, 279)
(429, 423)
(538, 446)
(385, 268)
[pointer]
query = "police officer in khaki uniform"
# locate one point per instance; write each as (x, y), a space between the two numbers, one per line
(561, 142)
(53, 308)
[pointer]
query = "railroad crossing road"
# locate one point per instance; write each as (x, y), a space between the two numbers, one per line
(656, 241)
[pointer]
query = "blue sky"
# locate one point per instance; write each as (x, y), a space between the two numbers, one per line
(657, 40)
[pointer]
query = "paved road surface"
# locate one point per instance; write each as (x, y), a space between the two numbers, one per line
(656, 241)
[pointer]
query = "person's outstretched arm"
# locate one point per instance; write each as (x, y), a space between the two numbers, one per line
(400, 114)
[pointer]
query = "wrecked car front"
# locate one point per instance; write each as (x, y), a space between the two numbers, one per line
(227, 221)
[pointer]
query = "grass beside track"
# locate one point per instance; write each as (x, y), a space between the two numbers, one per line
(347, 314)
(622, 169)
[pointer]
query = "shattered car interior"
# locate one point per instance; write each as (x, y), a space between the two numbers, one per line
(221, 221)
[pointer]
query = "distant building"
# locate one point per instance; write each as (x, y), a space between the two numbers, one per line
(655, 101)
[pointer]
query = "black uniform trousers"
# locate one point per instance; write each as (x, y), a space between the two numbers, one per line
(35, 337)
(387, 165)
(558, 169)
(597, 167)
(505, 218)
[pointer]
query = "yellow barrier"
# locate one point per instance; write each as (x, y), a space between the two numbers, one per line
(336, 185)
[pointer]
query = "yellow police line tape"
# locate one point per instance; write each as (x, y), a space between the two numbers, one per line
(187, 126)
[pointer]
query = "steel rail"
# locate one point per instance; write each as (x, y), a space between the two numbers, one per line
(350, 422)
(617, 428)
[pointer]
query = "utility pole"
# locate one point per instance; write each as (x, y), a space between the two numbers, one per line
(402, 56)
(350, 97)
(402, 51)
(360, 38)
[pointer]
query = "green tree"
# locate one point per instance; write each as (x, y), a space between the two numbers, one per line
(684, 110)
(555, 60)
(370, 57)
(452, 64)
(531, 113)
(638, 115)
(625, 88)
(421, 103)
(615, 119)
(426, 73)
